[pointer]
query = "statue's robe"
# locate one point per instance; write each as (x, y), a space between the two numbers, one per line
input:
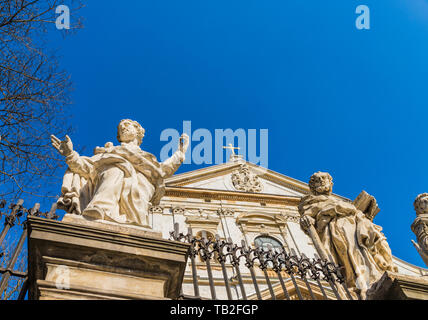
(350, 238)
(119, 181)
(420, 229)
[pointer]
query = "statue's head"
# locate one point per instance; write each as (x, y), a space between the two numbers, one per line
(321, 183)
(128, 130)
(421, 203)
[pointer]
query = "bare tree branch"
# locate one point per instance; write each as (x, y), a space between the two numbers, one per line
(34, 95)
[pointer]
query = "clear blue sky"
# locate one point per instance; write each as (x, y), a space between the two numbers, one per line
(334, 98)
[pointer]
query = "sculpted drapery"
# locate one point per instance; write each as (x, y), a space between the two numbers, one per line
(348, 236)
(420, 226)
(118, 183)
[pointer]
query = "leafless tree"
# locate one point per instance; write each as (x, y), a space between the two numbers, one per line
(34, 95)
(13, 245)
(14, 284)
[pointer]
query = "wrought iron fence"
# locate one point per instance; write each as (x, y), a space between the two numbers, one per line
(286, 266)
(278, 268)
(15, 216)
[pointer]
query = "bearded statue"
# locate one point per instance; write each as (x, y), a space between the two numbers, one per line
(118, 183)
(420, 226)
(347, 234)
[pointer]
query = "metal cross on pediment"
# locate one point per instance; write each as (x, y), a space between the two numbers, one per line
(232, 148)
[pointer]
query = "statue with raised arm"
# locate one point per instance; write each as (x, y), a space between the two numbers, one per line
(118, 183)
(346, 233)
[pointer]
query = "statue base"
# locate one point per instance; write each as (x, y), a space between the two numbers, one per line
(113, 226)
(394, 286)
(77, 259)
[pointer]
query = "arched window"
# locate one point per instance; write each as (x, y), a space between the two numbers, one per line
(264, 241)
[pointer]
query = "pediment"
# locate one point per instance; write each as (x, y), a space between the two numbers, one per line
(240, 176)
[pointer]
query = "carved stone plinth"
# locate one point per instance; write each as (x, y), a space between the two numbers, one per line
(80, 259)
(394, 286)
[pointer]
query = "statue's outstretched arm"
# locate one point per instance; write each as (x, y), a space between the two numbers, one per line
(169, 166)
(64, 147)
(76, 163)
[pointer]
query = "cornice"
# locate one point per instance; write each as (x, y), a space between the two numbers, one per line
(186, 178)
(222, 169)
(202, 221)
(185, 192)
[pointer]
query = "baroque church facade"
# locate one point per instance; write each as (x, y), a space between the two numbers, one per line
(241, 201)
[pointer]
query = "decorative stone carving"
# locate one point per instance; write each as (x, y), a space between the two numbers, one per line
(244, 180)
(178, 210)
(346, 234)
(156, 209)
(203, 221)
(227, 212)
(289, 217)
(420, 226)
(200, 213)
(118, 183)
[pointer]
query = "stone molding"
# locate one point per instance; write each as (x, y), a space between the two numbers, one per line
(98, 251)
(208, 223)
(178, 210)
(156, 209)
(227, 212)
(183, 192)
(394, 286)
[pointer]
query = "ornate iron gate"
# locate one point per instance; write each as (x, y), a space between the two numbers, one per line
(278, 267)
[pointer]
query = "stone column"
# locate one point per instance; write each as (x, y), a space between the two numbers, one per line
(80, 259)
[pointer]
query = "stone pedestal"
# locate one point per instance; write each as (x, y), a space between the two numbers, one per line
(394, 286)
(80, 259)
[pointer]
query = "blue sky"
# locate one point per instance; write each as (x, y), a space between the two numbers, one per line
(334, 98)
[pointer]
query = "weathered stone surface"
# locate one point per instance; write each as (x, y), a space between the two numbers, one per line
(274, 212)
(420, 226)
(111, 226)
(70, 260)
(118, 183)
(367, 204)
(244, 180)
(394, 286)
(347, 236)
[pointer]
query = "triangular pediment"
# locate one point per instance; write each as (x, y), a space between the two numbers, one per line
(240, 176)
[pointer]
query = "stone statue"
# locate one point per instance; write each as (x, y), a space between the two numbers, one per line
(420, 226)
(118, 183)
(347, 235)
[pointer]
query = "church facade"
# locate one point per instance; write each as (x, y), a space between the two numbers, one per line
(241, 201)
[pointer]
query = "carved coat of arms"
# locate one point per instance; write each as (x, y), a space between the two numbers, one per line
(244, 180)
